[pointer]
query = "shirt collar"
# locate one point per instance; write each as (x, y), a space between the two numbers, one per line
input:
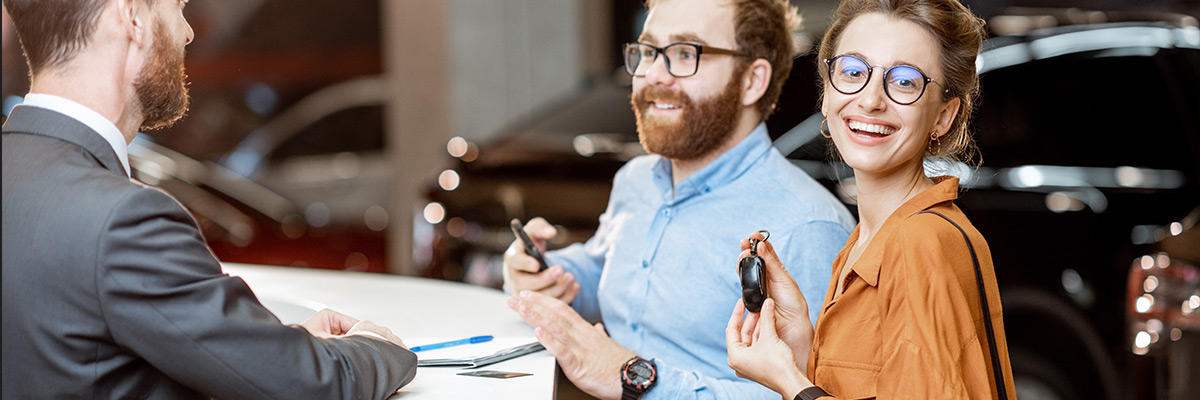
(88, 117)
(945, 189)
(724, 169)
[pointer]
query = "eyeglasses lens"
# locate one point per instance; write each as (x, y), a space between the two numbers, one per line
(904, 84)
(849, 75)
(681, 59)
(636, 55)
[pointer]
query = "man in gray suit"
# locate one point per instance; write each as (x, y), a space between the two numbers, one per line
(108, 288)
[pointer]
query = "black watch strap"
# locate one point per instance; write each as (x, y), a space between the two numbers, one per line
(630, 394)
(811, 393)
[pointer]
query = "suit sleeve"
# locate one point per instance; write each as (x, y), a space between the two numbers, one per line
(165, 299)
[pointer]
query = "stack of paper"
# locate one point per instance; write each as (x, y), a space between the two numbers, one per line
(479, 361)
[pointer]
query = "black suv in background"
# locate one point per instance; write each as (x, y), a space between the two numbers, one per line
(1089, 195)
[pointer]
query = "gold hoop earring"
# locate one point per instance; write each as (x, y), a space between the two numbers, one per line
(824, 133)
(935, 145)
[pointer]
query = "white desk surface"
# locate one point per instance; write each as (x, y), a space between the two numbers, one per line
(419, 311)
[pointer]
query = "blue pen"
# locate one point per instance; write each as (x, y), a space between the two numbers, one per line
(470, 340)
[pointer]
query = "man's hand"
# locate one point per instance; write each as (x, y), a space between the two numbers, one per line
(791, 310)
(368, 328)
(758, 354)
(326, 324)
(588, 357)
(521, 270)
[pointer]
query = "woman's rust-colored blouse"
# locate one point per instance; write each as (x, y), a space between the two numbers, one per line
(908, 323)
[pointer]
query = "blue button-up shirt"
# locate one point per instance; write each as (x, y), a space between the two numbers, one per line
(661, 270)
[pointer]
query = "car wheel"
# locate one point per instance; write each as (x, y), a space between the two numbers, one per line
(1055, 352)
(1035, 378)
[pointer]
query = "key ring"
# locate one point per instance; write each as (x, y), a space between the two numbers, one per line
(754, 242)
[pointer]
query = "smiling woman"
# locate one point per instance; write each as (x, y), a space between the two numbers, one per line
(880, 127)
(900, 321)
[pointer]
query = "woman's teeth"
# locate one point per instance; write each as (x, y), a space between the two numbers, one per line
(871, 128)
(661, 106)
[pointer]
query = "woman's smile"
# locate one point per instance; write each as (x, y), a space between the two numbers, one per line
(869, 132)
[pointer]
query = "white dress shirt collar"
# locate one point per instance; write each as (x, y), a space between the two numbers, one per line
(88, 117)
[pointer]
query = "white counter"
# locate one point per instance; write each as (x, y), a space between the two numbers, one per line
(419, 311)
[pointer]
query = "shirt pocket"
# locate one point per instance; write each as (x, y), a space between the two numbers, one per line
(847, 380)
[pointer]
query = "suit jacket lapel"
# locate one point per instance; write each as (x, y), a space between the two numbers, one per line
(40, 121)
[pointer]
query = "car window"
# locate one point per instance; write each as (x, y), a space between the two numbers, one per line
(1107, 111)
(356, 129)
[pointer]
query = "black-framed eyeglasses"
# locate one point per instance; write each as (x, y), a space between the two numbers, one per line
(904, 84)
(683, 59)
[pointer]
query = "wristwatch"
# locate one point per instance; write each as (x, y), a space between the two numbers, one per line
(811, 393)
(638, 375)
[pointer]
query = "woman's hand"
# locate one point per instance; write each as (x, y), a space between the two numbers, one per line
(758, 354)
(792, 323)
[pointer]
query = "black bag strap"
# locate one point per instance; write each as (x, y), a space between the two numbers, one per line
(987, 316)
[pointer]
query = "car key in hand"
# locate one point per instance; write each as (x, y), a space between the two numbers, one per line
(753, 271)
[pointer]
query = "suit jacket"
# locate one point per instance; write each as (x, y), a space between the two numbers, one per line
(109, 291)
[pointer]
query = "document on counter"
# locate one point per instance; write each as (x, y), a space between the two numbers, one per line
(477, 355)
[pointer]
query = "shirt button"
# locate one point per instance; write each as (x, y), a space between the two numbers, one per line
(667, 211)
(645, 264)
(634, 326)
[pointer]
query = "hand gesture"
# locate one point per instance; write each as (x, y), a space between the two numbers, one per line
(326, 324)
(521, 270)
(588, 357)
(793, 324)
(758, 354)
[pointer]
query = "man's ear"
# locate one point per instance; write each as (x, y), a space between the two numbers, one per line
(135, 17)
(755, 81)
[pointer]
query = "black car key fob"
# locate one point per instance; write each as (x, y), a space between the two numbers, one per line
(753, 271)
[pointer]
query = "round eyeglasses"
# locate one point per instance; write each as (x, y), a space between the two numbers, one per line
(683, 59)
(903, 84)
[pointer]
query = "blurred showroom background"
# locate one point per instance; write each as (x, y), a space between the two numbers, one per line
(401, 137)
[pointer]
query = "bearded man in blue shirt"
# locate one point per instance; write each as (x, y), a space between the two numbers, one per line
(661, 270)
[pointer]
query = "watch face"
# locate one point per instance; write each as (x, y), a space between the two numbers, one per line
(639, 373)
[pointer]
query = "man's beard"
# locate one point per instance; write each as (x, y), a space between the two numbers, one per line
(701, 127)
(161, 85)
